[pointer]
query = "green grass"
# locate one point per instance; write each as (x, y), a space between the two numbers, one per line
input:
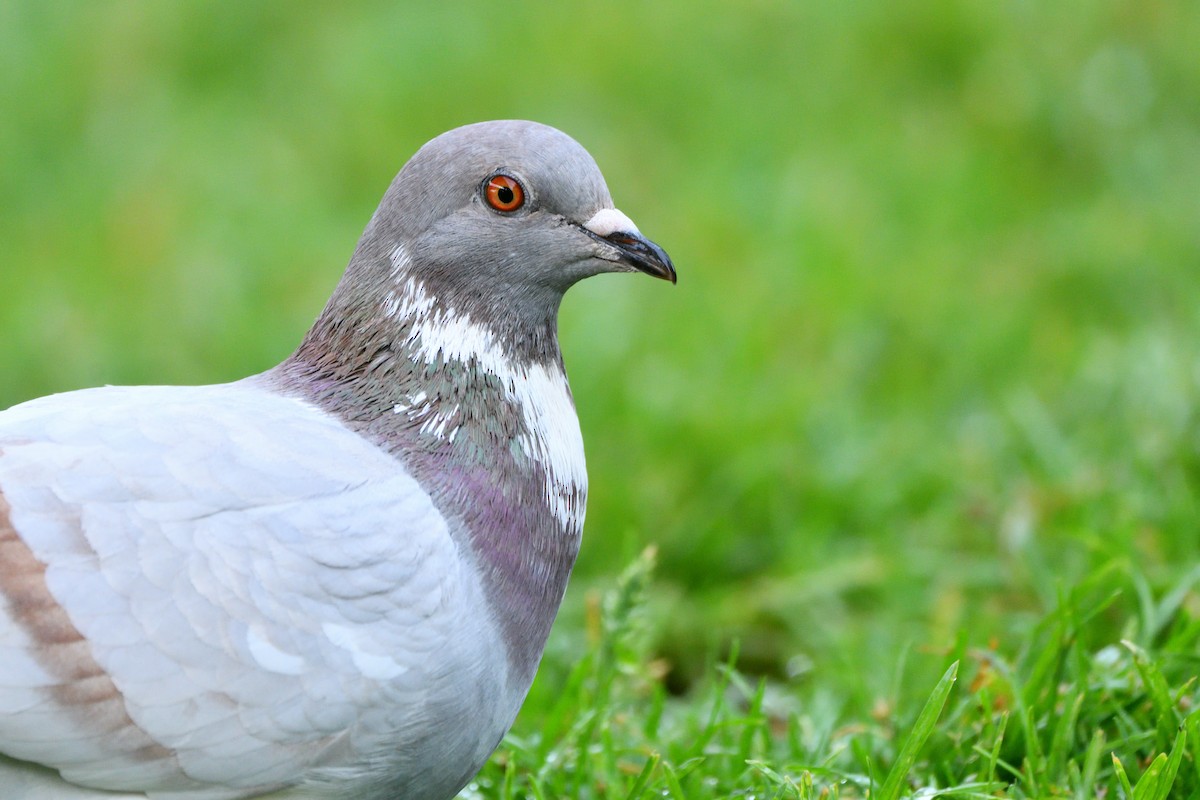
(1069, 713)
(926, 393)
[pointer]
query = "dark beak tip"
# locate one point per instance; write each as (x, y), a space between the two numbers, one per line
(665, 268)
(644, 255)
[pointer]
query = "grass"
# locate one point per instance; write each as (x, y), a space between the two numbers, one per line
(925, 395)
(1070, 713)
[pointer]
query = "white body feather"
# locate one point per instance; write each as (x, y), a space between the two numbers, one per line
(253, 579)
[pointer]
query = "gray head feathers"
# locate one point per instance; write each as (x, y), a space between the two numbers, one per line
(506, 269)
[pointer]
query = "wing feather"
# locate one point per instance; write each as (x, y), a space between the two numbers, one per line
(252, 584)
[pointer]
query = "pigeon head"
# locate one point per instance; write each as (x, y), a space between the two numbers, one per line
(511, 206)
(495, 221)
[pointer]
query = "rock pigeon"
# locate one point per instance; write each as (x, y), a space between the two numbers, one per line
(334, 579)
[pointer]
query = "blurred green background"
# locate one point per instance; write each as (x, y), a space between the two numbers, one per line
(934, 348)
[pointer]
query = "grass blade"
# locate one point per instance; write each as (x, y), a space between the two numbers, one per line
(1122, 778)
(1158, 690)
(919, 735)
(1156, 782)
(643, 778)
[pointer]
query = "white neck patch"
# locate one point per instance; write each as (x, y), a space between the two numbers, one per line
(539, 391)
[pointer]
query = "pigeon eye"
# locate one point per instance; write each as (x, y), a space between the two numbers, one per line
(504, 193)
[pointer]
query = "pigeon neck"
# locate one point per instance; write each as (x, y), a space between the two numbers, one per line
(482, 416)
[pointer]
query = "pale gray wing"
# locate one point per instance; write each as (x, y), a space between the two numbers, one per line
(211, 588)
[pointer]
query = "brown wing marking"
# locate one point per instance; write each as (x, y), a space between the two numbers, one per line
(84, 689)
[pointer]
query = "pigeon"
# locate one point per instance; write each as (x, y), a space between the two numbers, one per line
(333, 579)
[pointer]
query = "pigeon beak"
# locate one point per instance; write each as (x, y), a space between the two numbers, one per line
(643, 254)
(615, 229)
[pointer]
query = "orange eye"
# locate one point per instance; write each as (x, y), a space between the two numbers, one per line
(504, 193)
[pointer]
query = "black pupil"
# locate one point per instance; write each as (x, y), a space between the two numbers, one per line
(505, 195)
